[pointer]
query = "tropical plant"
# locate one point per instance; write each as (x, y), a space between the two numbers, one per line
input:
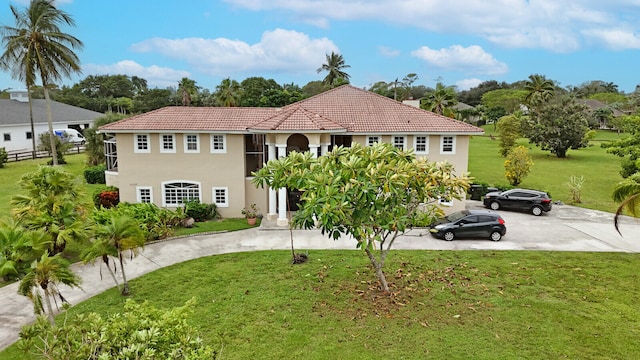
(187, 89)
(95, 142)
(43, 278)
(228, 93)
(250, 212)
(61, 146)
(539, 90)
(575, 188)
(103, 248)
(441, 100)
(4, 157)
(509, 130)
(371, 193)
(141, 331)
(517, 165)
(120, 233)
(627, 192)
(334, 67)
(199, 211)
(18, 248)
(36, 45)
(51, 204)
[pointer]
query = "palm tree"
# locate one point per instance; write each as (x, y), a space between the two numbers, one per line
(334, 66)
(45, 274)
(440, 101)
(51, 204)
(119, 234)
(18, 248)
(36, 46)
(102, 248)
(628, 193)
(540, 89)
(228, 93)
(187, 88)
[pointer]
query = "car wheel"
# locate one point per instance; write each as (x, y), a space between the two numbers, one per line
(495, 205)
(449, 235)
(496, 236)
(536, 210)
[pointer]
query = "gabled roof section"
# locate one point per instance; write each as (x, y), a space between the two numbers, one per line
(362, 111)
(186, 118)
(13, 112)
(296, 118)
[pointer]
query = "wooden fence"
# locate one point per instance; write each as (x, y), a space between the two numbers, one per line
(28, 155)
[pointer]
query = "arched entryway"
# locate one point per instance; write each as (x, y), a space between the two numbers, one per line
(299, 143)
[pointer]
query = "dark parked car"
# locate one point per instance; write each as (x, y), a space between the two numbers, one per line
(469, 224)
(532, 201)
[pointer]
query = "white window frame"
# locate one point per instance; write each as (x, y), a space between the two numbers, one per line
(164, 191)
(426, 144)
(224, 204)
(453, 145)
(224, 144)
(139, 195)
(173, 143)
(136, 144)
(186, 144)
(404, 141)
(445, 202)
(378, 139)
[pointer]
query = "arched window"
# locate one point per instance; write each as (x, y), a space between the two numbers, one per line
(176, 193)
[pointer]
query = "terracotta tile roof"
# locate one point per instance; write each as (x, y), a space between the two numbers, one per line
(192, 119)
(345, 108)
(297, 118)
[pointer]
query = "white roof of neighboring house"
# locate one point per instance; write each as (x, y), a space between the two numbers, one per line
(13, 112)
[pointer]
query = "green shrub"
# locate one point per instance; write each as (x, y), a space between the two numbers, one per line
(95, 174)
(4, 157)
(199, 211)
(156, 222)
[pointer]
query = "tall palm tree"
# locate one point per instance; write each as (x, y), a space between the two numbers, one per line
(45, 274)
(627, 192)
(120, 233)
(440, 101)
(228, 93)
(334, 66)
(187, 89)
(37, 46)
(102, 248)
(540, 89)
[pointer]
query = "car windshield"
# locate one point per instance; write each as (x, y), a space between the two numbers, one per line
(456, 216)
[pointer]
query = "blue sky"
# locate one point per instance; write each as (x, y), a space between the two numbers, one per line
(460, 42)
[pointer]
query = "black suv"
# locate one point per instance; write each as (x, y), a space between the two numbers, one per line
(469, 224)
(532, 201)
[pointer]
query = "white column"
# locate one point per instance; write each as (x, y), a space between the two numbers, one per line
(282, 193)
(273, 202)
(313, 149)
(324, 149)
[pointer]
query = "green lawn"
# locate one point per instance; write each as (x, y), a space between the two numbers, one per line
(445, 305)
(600, 170)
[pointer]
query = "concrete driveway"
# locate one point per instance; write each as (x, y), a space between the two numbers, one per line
(565, 228)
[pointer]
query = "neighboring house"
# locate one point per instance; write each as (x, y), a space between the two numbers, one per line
(208, 153)
(15, 124)
(596, 106)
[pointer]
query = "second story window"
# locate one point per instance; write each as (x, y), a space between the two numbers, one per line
(142, 143)
(167, 143)
(218, 144)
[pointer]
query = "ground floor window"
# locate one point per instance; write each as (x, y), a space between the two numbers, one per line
(221, 196)
(144, 194)
(341, 140)
(7, 136)
(179, 192)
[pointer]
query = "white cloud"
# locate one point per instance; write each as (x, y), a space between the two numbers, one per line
(388, 52)
(472, 59)
(557, 25)
(467, 84)
(615, 39)
(156, 76)
(278, 51)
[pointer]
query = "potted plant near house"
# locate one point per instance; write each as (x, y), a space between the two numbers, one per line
(250, 213)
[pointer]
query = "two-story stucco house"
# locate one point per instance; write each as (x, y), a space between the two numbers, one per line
(208, 153)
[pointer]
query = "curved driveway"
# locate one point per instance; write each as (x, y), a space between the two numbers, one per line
(565, 228)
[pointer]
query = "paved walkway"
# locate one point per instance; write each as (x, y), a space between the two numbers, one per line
(565, 228)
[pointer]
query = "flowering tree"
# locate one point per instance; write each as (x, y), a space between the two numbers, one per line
(372, 193)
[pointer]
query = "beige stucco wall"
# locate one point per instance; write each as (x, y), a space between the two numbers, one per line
(210, 170)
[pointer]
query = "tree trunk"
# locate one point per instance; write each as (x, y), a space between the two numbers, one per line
(113, 275)
(378, 266)
(47, 301)
(125, 284)
(33, 132)
(54, 152)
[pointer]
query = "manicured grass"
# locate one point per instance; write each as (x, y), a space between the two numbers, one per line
(13, 172)
(600, 170)
(453, 305)
(215, 226)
